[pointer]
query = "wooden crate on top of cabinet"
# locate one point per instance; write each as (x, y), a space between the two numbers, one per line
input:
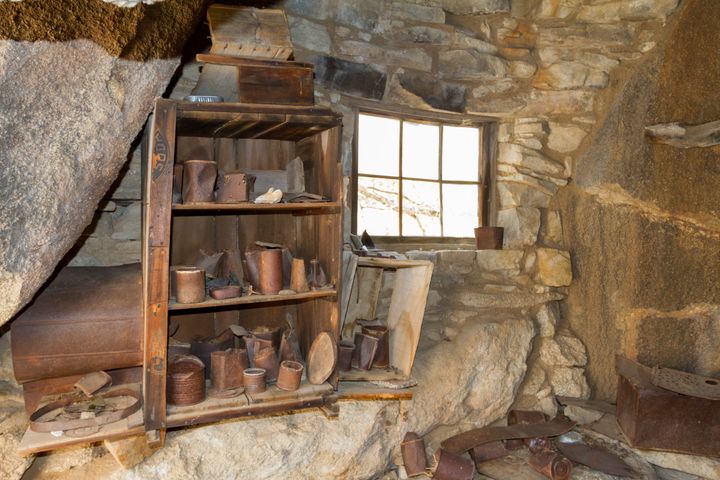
(238, 137)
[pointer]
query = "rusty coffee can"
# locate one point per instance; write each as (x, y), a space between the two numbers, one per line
(234, 187)
(553, 465)
(254, 380)
(290, 375)
(382, 354)
(186, 381)
(189, 284)
(413, 454)
(449, 466)
(266, 358)
(198, 181)
(345, 354)
(270, 273)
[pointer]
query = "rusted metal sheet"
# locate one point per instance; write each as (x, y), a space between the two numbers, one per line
(87, 319)
(413, 454)
(686, 383)
(552, 465)
(472, 438)
(654, 418)
(596, 458)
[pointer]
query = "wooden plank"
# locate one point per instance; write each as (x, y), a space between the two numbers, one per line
(407, 309)
(159, 175)
(249, 32)
(374, 374)
(369, 392)
(257, 62)
(252, 299)
(348, 279)
(274, 394)
(364, 294)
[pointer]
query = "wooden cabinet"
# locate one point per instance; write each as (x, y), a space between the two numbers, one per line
(238, 137)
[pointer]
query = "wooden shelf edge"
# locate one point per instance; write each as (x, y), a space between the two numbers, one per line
(277, 207)
(249, 300)
(365, 391)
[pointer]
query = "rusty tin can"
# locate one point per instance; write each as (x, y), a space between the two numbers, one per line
(265, 270)
(449, 466)
(382, 354)
(189, 284)
(228, 291)
(413, 454)
(290, 375)
(199, 181)
(203, 348)
(234, 187)
(226, 368)
(266, 358)
(345, 354)
(365, 348)
(186, 381)
(488, 451)
(298, 278)
(552, 465)
(254, 380)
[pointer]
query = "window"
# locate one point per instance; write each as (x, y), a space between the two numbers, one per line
(417, 177)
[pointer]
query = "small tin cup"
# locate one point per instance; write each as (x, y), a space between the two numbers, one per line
(290, 375)
(254, 380)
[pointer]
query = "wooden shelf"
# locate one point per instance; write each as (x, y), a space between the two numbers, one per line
(252, 299)
(374, 374)
(273, 400)
(332, 207)
(366, 391)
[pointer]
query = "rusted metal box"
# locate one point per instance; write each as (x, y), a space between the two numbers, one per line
(657, 419)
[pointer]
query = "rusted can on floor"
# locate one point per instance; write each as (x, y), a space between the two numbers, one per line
(254, 380)
(226, 368)
(489, 238)
(290, 375)
(189, 284)
(186, 381)
(413, 454)
(488, 451)
(382, 354)
(522, 417)
(266, 358)
(551, 464)
(234, 187)
(199, 181)
(365, 348)
(449, 466)
(345, 354)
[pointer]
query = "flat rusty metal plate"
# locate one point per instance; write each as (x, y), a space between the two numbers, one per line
(596, 458)
(686, 383)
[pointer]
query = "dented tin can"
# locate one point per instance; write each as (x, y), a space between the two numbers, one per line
(254, 380)
(413, 454)
(234, 187)
(382, 354)
(199, 181)
(265, 269)
(226, 368)
(552, 465)
(450, 466)
(290, 375)
(189, 284)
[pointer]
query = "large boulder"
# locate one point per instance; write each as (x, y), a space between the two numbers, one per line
(78, 80)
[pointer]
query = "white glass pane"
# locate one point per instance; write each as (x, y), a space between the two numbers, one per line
(378, 145)
(378, 206)
(421, 209)
(420, 150)
(460, 210)
(461, 146)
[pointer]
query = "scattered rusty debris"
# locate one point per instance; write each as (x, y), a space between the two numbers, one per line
(551, 464)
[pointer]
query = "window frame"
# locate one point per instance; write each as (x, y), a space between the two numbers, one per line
(487, 139)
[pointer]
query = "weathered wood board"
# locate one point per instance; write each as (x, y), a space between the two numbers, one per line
(249, 32)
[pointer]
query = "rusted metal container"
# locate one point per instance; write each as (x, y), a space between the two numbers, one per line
(522, 417)
(266, 358)
(203, 348)
(382, 354)
(265, 270)
(657, 419)
(551, 464)
(86, 319)
(413, 454)
(365, 348)
(488, 451)
(254, 380)
(345, 354)
(223, 293)
(290, 375)
(489, 238)
(234, 187)
(273, 334)
(450, 466)
(199, 178)
(189, 284)
(186, 381)
(226, 368)
(199, 181)
(298, 278)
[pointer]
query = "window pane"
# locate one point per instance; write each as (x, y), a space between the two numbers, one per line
(420, 150)
(378, 206)
(378, 145)
(421, 208)
(460, 153)
(460, 210)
